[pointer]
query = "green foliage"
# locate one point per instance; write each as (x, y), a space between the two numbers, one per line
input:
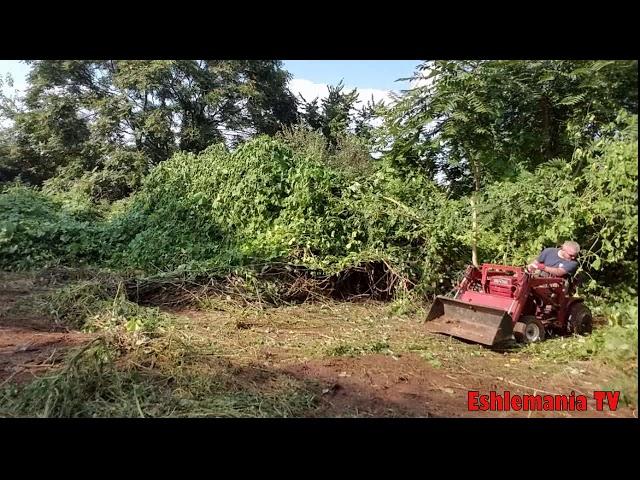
(333, 115)
(73, 304)
(197, 208)
(592, 198)
(337, 117)
(266, 202)
(555, 159)
(618, 307)
(37, 231)
(118, 174)
(110, 120)
(351, 155)
(615, 346)
(99, 305)
(103, 379)
(479, 121)
(293, 200)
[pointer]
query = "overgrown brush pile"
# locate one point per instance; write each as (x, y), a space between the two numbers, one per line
(265, 203)
(271, 202)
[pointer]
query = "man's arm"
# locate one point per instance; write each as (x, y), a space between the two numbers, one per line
(539, 259)
(555, 271)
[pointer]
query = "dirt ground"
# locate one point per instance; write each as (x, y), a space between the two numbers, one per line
(422, 375)
(361, 361)
(379, 386)
(29, 344)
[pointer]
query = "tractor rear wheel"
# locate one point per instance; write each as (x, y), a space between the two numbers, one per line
(529, 330)
(580, 319)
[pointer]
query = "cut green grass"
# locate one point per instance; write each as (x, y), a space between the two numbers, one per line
(100, 380)
(226, 360)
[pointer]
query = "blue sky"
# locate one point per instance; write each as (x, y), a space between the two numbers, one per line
(375, 74)
(311, 77)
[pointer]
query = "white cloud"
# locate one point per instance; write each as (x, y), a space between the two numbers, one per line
(310, 90)
(307, 89)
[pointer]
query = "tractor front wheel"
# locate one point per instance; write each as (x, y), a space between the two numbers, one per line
(580, 319)
(529, 330)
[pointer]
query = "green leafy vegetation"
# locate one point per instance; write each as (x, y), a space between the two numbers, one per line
(129, 167)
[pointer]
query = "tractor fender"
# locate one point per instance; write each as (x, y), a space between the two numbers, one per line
(572, 301)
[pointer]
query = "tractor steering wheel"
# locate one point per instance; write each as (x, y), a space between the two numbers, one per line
(531, 271)
(534, 272)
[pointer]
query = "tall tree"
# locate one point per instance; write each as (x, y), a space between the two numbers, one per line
(335, 114)
(506, 114)
(365, 118)
(87, 110)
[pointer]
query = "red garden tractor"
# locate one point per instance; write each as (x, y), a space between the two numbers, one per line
(496, 303)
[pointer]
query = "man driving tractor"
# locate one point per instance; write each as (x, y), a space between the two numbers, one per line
(558, 262)
(496, 303)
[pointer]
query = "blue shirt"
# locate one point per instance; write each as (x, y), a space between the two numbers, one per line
(550, 258)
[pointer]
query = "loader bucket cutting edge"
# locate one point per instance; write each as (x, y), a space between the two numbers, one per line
(485, 325)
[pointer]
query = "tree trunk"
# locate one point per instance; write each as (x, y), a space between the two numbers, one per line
(474, 212)
(474, 227)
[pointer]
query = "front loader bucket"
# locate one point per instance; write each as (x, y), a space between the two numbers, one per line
(484, 325)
